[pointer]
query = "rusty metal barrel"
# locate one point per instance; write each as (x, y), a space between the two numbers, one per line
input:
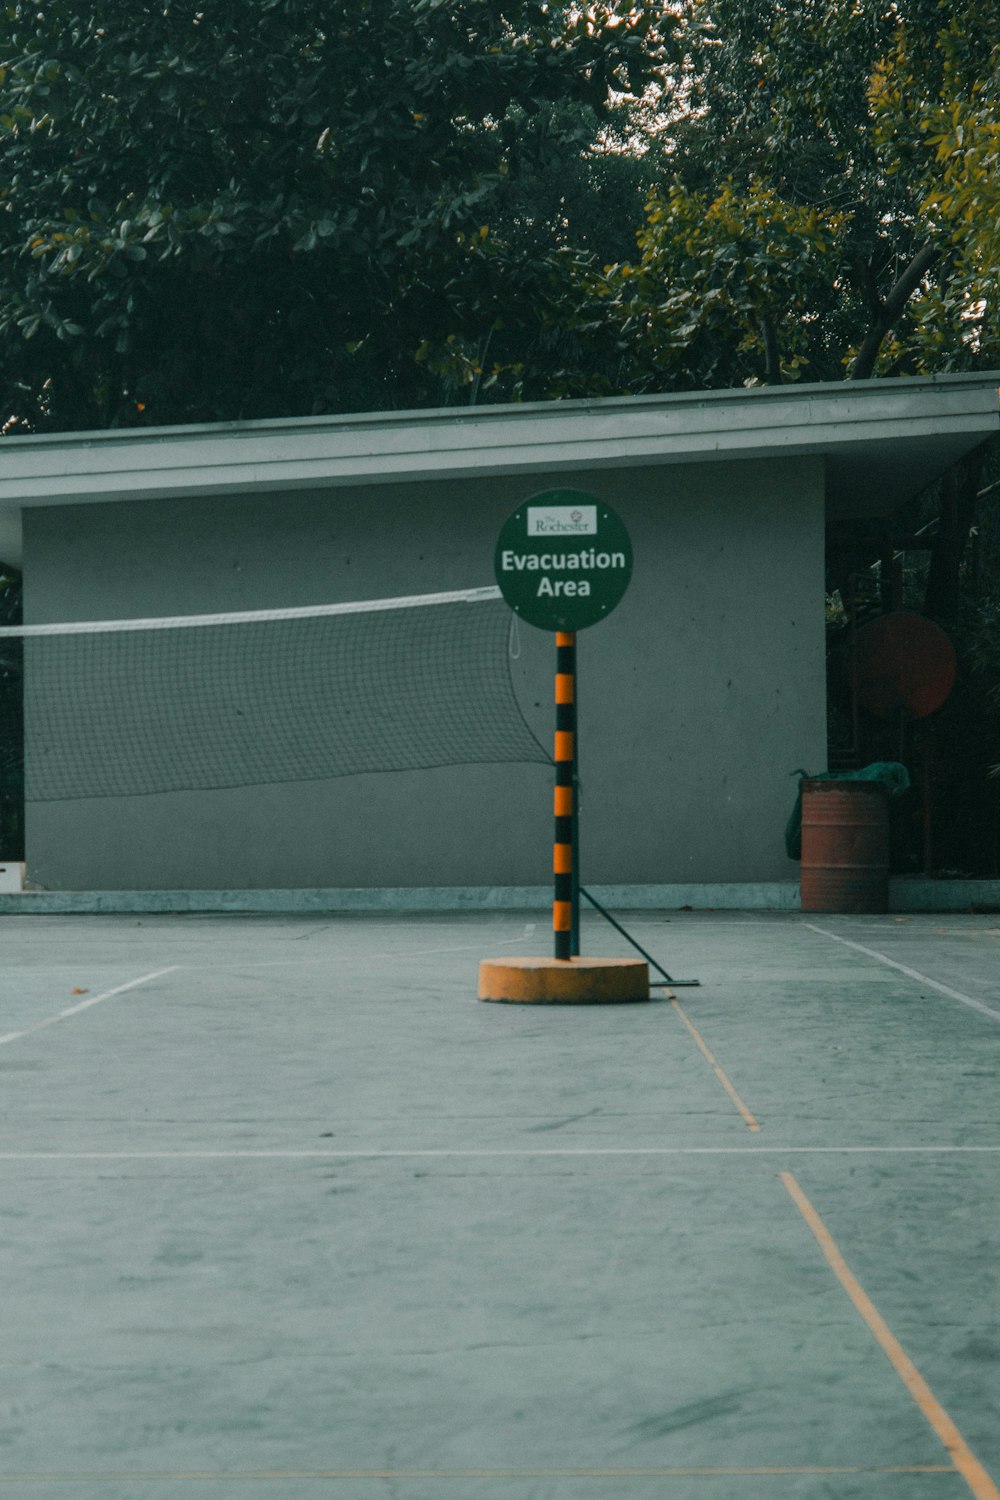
(845, 846)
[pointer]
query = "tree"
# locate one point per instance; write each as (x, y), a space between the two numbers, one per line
(936, 104)
(827, 203)
(272, 209)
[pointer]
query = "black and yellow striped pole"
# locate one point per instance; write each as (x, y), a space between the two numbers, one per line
(564, 907)
(562, 561)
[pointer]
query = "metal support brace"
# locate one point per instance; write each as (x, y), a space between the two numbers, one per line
(629, 938)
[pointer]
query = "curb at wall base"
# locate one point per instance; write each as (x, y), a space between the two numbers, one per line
(905, 895)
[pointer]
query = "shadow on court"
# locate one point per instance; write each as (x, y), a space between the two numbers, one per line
(288, 1213)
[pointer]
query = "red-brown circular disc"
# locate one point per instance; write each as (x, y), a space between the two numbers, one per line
(904, 661)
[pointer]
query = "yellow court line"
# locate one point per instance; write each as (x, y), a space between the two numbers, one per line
(751, 1123)
(243, 1476)
(965, 1461)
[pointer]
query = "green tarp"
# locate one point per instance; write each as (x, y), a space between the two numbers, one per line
(890, 772)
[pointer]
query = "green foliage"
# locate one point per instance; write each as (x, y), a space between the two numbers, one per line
(729, 270)
(827, 203)
(776, 144)
(268, 209)
(298, 206)
(936, 104)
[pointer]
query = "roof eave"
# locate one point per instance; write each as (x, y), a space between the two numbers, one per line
(906, 431)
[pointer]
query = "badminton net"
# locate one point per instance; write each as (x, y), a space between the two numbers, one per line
(127, 708)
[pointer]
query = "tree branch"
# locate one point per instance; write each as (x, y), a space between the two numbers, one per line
(772, 354)
(890, 309)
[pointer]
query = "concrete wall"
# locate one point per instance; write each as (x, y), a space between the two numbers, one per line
(698, 696)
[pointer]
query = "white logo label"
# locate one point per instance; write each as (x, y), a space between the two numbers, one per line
(562, 520)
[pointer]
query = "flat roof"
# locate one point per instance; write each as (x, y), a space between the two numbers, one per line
(884, 442)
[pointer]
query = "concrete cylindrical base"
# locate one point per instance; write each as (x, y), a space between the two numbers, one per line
(553, 981)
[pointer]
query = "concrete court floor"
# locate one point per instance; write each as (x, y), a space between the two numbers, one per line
(286, 1213)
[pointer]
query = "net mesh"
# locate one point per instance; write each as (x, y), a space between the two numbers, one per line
(130, 708)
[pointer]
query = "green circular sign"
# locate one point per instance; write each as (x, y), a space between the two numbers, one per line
(563, 560)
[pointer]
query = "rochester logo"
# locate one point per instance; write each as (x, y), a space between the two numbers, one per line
(562, 520)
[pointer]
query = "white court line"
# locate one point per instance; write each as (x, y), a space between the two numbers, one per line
(74, 1010)
(934, 984)
(445, 1153)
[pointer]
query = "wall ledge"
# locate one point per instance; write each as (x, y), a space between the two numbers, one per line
(906, 895)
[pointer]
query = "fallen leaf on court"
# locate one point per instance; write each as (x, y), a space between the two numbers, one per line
(81, 992)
